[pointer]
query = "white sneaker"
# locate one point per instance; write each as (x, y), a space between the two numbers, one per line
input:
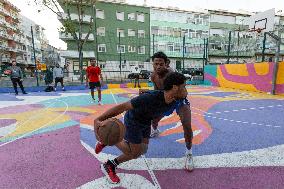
(99, 103)
(189, 162)
(54, 89)
(154, 133)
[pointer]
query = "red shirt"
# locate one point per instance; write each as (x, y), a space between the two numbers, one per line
(93, 73)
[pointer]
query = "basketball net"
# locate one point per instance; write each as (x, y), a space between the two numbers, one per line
(258, 31)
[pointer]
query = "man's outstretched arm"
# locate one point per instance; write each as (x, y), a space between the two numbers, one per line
(114, 111)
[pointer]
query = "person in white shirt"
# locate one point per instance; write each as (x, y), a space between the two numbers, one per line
(58, 75)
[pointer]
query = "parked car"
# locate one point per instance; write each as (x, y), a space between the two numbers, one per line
(144, 74)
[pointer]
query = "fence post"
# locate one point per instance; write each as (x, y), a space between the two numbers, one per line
(119, 53)
(275, 69)
(34, 55)
(183, 50)
(153, 43)
(263, 47)
(229, 47)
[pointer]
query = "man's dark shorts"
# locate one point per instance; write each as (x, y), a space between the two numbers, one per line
(93, 85)
(136, 132)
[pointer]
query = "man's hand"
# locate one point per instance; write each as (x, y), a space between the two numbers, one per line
(21, 79)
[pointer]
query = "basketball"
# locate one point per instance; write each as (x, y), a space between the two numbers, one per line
(111, 132)
(7, 72)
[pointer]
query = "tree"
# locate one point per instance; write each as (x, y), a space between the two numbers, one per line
(70, 25)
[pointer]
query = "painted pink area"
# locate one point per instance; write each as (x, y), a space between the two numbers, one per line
(216, 178)
(261, 82)
(123, 85)
(279, 88)
(51, 160)
(212, 79)
(59, 161)
(20, 109)
(6, 122)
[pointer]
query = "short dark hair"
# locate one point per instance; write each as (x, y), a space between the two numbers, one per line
(92, 59)
(160, 54)
(173, 78)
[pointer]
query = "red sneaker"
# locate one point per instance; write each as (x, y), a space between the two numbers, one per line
(99, 147)
(109, 171)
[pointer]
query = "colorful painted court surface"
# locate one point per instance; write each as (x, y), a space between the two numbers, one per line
(47, 141)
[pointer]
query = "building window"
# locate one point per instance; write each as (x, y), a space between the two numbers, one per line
(100, 14)
(131, 32)
(102, 48)
(120, 16)
(131, 16)
(141, 50)
(140, 17)
(170, 47)
(121, 32)
(101, 31)
(155, 30)
(131, 48)
(121, 48)
(141, 34)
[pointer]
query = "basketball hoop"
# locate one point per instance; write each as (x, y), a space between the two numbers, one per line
(257, 31)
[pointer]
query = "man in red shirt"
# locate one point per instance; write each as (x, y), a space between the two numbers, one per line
(93, 79)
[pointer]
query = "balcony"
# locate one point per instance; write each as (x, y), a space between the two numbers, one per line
(75, 54)
(86, 18)
(68, 36)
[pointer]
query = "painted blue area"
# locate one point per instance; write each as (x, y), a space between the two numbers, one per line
(43, 130)
(82, 100)
(221, 94)
(236, 137)
(9, 97)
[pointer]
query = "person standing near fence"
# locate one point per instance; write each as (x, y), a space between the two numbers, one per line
(93, 79)
(136, 73)
(16, 75)
(58, 75)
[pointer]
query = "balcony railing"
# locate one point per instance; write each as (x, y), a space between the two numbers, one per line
(86, 18)
(75, 54)
(70, 37)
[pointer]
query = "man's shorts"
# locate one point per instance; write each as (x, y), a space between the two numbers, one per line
(136, 132)
(93, 85)
(177, 106)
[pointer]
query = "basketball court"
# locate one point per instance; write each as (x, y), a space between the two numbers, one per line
(47, 141)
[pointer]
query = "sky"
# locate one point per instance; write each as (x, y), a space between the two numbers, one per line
(49, 21)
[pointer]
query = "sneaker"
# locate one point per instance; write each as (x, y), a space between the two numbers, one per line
(99, 147)
(154, 133)
(99, 103)
(63, 89)
(109, 170)
(16, 94)
(25, 93)
(189, 162)
(54, 89)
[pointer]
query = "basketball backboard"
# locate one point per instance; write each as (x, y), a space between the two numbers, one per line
(263, 21)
